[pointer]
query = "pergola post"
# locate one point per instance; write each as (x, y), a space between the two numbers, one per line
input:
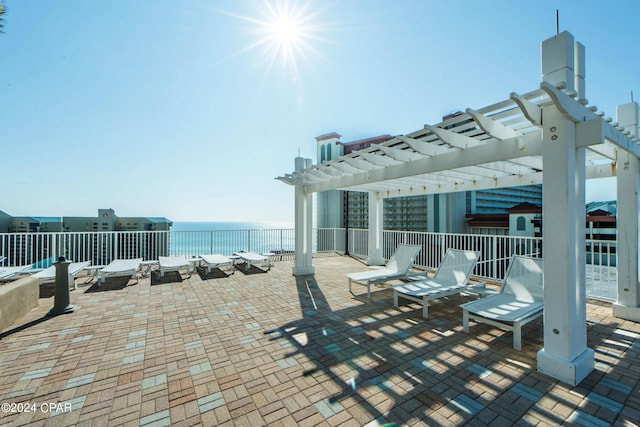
(303, 225)
(376, 220)
(565, 355)
(627, 305)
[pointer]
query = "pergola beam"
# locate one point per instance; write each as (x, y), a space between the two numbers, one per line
(438, 187)
(531, 111)
(463, 142)
(491, 127)
(520, 146)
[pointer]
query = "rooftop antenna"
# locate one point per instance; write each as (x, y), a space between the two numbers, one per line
(298, 151)
(557, 22)
(631, 96)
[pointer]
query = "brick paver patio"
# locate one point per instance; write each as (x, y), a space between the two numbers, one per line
(262, 348)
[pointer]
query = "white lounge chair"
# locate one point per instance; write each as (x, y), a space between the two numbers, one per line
(12, 273)
(519, 302)
(49, 274)
(120, 267)
(451, 277)
(2, 258)
(397, 267)
(174, 263)
(218, 261)
(254, 258)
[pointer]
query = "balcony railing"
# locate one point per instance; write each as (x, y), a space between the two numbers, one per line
(40, 250)
(495, 252)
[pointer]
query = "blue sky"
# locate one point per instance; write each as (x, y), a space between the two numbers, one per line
(183, 109)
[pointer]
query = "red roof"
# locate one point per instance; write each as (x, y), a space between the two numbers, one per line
(525, 207)
(328, 136)
(488, 220)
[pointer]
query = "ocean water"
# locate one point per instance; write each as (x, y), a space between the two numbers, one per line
(198, 238)
(208, 226)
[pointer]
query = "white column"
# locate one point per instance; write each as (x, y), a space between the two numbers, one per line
(376, 204)
(303, 225)
(558, 61)
(565, 355)
(627, 306)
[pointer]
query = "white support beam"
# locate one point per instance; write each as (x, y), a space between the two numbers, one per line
(452, 138)
(331, 170)
(568, 106)
(359, 163)
(423, 147)
(531, 111)
(303, 220)
(491, 127)
(343, 167)
(577, 112)
(420, 186)
(401, 155)
(521, 146)
(481, 184)
(627, 305)
(565, 355)
(379, 160)
(606, 170)
(376, 222)
(463, 142)
(627, 143)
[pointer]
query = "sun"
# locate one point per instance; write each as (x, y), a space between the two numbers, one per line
(285, 32)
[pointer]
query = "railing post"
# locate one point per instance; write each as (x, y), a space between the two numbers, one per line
(494, 250)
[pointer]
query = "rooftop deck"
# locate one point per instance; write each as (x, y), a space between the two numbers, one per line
(270, 349)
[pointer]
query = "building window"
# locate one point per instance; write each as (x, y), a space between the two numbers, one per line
(521, 224)
(322, 157)
(328, 151)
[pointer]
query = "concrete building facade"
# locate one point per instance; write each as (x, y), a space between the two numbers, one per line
(107, 220)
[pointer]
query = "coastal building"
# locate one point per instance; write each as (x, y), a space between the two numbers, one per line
(106, 220)
(519, 220)
(28, 239)
(525, 219)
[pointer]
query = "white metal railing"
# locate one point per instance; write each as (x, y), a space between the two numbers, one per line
(40, 250)
(495, 252)
(226, 242)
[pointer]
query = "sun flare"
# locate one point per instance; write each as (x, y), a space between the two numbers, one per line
(285, 32)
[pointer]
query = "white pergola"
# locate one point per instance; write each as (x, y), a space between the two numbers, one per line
(503, 145)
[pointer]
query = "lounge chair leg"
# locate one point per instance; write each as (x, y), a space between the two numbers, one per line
(350, 286)
(517, 336)
(395, 298)
(425, 307)
(369, 290)
(465, 320)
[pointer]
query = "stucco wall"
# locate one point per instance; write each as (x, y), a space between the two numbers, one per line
(17, 298)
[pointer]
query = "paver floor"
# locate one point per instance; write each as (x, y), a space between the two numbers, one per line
(266, 348)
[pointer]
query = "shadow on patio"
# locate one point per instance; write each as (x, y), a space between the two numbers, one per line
(271, 349)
